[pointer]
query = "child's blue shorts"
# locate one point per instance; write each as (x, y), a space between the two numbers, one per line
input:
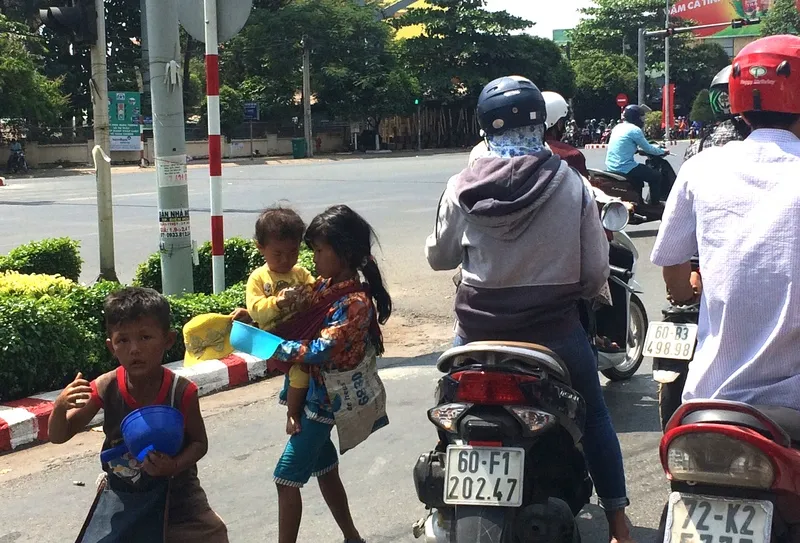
(308, 453)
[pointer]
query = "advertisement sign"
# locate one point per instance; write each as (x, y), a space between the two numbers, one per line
(124, 110)
(704, 12)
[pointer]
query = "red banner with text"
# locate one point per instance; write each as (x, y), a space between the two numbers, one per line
(704, 12)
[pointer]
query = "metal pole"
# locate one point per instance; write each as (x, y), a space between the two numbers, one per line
(666, 99)
(642, 69)
(102, 138)
(147, 110)
(214, 147)
(252, 147)
(307, 96)
(170, 147)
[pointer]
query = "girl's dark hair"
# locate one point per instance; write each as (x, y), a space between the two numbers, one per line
(351, 238)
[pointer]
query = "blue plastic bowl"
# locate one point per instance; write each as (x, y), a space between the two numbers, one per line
(152, 428)
(249, 339)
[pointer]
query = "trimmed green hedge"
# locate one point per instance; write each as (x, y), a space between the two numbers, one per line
(46, 340)
(53, 256)
(51, 328)
(241, 258)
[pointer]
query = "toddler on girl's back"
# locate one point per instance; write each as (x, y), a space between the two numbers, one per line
(278, 290)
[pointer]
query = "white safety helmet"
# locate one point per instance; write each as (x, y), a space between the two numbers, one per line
(557, 107)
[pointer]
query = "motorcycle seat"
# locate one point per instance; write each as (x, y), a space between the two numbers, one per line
(787, 420)
(504, 353)
(610, 175)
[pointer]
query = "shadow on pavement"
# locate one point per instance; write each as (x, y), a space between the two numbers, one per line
(593, 526)
(425, 360)
(633, 404)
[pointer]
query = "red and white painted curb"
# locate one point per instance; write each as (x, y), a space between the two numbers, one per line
(605, 145)
(25, 421)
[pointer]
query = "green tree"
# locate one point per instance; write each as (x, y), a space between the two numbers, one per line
(782, 18)
(231, 109)
(599, 78)
(28, 95)
(354, 69)
(693, 70)
(609, 24)
(464, 46)
(701, 109)
(613, 26)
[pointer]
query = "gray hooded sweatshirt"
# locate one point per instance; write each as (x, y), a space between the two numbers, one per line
(529, 239)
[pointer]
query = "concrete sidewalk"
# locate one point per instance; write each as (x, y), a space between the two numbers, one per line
(202, 162)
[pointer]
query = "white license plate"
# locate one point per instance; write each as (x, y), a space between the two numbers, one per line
(709, 519)
(670, 340)
(484, 476)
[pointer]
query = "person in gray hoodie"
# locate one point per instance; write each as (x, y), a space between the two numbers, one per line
(526, 232)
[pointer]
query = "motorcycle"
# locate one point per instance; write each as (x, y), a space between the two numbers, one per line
(734, 470)
(619, 186)
(672, 344)
(17, 163)
(508, 467)
(625, 321)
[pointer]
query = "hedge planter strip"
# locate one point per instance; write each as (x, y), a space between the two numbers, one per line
(25, 421)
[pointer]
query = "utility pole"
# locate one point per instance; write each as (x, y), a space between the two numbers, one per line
(307, 96)
(145, 71)
(102, 139)
(640, 98)
(419, 125)
(83, 22)
(170, 147)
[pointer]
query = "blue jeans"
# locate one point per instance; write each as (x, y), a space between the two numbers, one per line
(600, 443)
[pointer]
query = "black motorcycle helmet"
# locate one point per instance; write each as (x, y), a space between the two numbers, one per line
(719, 94)
(634, 114)
(510, 102)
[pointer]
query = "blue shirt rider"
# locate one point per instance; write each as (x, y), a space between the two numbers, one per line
(627, 138)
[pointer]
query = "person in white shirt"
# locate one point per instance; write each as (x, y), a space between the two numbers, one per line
(738, 206)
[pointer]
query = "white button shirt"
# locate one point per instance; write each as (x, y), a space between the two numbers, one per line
(739, 207)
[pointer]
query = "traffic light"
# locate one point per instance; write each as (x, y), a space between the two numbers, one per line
(77, 21)
(416, 101)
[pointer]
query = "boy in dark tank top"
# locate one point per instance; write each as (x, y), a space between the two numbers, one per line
(162, 487)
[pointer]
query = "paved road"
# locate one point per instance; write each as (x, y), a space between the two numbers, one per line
(38, 502)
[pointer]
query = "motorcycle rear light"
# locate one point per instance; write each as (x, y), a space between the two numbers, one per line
(491, 388)
(485, 443)
(716, 459)
(534, 419)
(446, 416)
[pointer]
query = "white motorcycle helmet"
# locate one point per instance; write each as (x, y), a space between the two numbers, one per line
(557, 108)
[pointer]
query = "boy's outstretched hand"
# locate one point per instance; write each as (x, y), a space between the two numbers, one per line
(75, 395)
(160, 465)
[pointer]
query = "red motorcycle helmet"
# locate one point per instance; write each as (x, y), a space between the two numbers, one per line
(766, 76)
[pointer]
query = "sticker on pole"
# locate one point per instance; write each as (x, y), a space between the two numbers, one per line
(171, 171)
(174, 223)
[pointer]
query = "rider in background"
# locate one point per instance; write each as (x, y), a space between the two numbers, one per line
(627, 138)
(736, 206)
(730, 127)
(14, 148)
(557, 113)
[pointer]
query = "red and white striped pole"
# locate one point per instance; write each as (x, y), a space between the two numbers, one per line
(214, 147)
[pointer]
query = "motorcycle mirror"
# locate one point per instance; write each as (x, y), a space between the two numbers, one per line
(614, 216)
